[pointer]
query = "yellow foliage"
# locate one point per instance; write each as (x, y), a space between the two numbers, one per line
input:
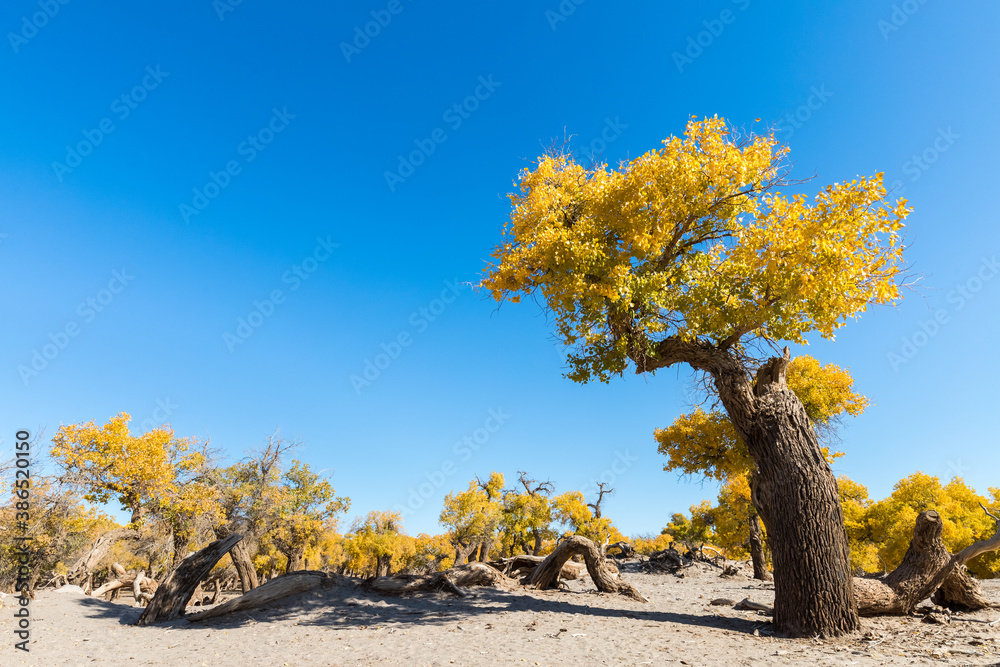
(693, 240)
(112, 463)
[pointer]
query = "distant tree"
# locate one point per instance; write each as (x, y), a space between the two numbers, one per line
(473, 516)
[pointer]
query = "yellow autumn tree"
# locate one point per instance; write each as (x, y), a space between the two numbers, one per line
(376, 542)
(572, 510)
(888, 523)
(307, 505)
(112, 464)
(692, 254)
(473, 517)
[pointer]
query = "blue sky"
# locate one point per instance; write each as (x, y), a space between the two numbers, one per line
(190, 167)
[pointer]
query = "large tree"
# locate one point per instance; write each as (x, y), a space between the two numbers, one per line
(691, 254)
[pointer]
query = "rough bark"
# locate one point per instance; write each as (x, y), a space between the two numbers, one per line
(546, 575)
(757, 549)
(296, 559)
(170, 599)
(795, 494)
(84, 567)
(284, 586)
(961, 592)
(247, 573)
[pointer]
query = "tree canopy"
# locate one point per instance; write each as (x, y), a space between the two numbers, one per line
(694, 241)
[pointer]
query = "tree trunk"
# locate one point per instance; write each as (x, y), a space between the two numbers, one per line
(462, 552)
(240, 556)
(538, 543)
(757, 549)
(795, 493)
(170, 599)
(470, 574)
(296, 559)
(546, 575)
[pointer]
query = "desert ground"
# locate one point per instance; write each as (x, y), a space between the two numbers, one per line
(574, 626)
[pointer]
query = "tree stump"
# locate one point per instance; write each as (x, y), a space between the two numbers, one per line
(170, 599)
(927, 567)
(546, 575)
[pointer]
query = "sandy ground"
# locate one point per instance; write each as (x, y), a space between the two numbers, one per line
(576, 627)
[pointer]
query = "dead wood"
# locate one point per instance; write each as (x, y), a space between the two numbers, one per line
(451, 581)
(546, 575)
(84, 568)
(170, 599)
(927, 568)
(284, 586)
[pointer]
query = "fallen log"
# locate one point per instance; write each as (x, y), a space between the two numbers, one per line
(523, 566)
(927, 569)
(170, 599)
(546, 575)
(451, 581)
(284, 586)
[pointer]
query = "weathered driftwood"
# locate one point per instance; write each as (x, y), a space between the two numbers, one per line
(523, 566)
(83, 569)
(625, 550)
(451, 581)
(142, 586)
(170, 599)
(546, 575)
(927, 568)
(284, 586)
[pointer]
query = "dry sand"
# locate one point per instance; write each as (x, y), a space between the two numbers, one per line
(490, 627)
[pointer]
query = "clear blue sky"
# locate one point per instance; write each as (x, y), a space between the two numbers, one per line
(300, 131)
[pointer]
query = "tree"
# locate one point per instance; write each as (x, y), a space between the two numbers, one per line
(376, 541)
(527, 514)
(695, 531)
(691, 255)
(708, 444)
(473, 516)
(109, 462)
(572, 509)
(307, 507)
